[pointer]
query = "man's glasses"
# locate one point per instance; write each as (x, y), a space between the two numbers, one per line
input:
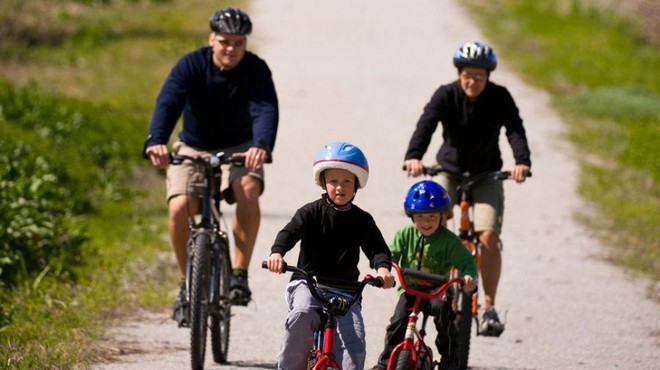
(473, 76)
(227, 43)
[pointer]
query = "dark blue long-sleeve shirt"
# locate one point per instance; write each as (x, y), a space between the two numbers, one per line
(220, 108)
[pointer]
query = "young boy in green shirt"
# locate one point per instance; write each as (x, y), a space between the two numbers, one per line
(428, 246)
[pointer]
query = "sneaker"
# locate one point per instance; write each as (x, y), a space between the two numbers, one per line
(181, 307)
(239, 292)
(490, 323)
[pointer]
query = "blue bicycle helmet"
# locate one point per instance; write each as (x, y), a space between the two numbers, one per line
(342, 155)
(475, 54)
(230, 20)
(425, 196)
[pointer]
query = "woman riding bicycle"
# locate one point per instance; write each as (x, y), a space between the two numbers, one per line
(428, 246)
(473, 111)
(332, 231)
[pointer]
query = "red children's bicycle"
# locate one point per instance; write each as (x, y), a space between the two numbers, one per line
(413, 353)
(321, 356)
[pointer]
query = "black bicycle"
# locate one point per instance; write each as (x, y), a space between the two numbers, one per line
(208, 264)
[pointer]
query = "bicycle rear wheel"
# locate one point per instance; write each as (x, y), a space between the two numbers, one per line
(463, 307)
(220, 320)
(201, 268)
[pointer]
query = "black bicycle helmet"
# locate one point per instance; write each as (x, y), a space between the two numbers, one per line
(230, 20)
(475, 54)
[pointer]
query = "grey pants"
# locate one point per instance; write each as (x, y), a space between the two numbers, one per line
(301, 322)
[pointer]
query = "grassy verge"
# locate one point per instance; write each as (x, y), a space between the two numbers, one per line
(602, 75)
(115, 55)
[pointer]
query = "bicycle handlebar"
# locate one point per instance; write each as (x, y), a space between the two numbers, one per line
(212, 160)
(329, 303)
(497, 175)
(434, 279)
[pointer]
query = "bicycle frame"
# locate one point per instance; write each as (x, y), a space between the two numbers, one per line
(322, 355)
(413, 342)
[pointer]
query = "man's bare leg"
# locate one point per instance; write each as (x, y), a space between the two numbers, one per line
(180, 209)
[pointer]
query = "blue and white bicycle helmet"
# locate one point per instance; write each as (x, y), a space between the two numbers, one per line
(230, 20)
(425, 196)
(475, 54)
(341, 155)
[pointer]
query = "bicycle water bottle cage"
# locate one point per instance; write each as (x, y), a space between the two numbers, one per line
(338, 306)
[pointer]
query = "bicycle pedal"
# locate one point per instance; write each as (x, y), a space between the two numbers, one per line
(238, 298)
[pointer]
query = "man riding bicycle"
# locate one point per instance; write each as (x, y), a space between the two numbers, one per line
(473, 111)
(228, 100)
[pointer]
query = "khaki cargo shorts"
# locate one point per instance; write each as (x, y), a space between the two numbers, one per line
(487, 199)
(187, 178)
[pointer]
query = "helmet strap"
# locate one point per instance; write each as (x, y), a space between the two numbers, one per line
(343, 208)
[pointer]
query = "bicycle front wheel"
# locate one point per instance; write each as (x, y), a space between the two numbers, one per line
(220, 320)
(201, 268)
(403, 361)
(463, 304)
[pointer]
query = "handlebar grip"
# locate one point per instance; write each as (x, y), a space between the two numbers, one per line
(285, 267)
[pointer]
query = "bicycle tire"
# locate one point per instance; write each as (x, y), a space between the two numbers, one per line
(463, 304)
(220, 321)
(402, 360)
(424, 358)
(201, 267)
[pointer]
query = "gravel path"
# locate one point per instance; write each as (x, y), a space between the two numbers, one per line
(361, 72)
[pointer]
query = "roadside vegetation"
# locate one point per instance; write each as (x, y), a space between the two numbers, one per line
(82, 220)
(600, 67)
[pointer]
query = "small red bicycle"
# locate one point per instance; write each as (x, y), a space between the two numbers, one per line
(321, 356)
(413, 353)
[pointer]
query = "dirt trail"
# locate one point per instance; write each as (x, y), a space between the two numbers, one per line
(361, 72)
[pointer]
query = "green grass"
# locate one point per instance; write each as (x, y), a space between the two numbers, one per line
(602, 75)
(112, 57)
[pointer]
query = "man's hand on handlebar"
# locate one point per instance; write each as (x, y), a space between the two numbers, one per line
(255, 157)
(159, 155)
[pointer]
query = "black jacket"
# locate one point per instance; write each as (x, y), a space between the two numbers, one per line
(331, 240)
(471, 131)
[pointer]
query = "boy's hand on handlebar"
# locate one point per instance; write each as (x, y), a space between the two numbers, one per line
(388, 278)
(470, 283)
(519, 173)
(414, 167)
(276, 263)
(159, 155)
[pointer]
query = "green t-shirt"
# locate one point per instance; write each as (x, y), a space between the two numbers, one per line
(441, 250)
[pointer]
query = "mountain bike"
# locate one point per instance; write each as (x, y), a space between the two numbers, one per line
(208, 264)
(412, 352)
(466, 305)
(334, 305)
